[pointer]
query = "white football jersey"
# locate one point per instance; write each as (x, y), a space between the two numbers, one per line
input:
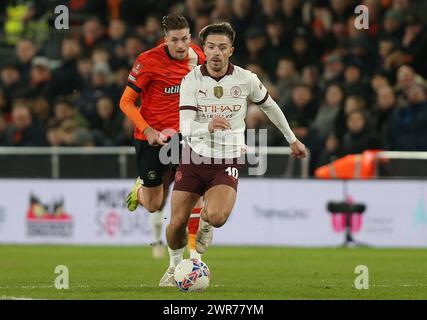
(225, 97)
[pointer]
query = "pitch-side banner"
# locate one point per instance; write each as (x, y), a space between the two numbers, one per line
(267, 212)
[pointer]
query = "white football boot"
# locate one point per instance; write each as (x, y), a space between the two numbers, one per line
(168, 280)
(204, 236)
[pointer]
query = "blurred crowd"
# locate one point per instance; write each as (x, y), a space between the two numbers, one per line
(343, 90)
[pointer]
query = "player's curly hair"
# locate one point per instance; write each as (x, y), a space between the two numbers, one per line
(174, 22)
(218, 28)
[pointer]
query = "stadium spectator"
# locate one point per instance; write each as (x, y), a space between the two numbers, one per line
(107, 122)
(125, 136)
(80, 9)
(287, 79)
(200, 22)
(310, 76)
(392, 24)
(270, 11)
(354, 83)
(301, 52)
(10, 84)
(379, 80)
(25, 52)
(324, 123)
(333, 68)
(133, 47)
(408, 127)
(341, 10)
(300, 113)
(66, 77)
(406, 77)
(291, 13)
(359, 136)
(100, 85)
(64, 110)
(40, 81)
(383, 110)
(117, 31)
(414, 44)
(351, 103)
(82, 137)
(23, 131)
(93, 35)
(256, 47)
(276, 44)
(151, 32)
(302, 106)
(41, 111)
(243, 19)
(221, 11)
(54, 134)
(73, 135)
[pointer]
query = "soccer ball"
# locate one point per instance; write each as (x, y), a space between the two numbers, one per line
(192, 275)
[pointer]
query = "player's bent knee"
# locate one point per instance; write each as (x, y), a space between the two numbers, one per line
(217, 220)
(179, 222)
(152, 199)
(152, 207)
(153, 204)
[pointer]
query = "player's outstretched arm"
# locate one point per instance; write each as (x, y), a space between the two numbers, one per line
(127, 105)
(273, 112)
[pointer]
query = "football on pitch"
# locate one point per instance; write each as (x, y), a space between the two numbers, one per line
(192, 275)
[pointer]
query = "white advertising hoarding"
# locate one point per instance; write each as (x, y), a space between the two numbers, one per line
(70, 211)
(267, 212)
(396, 212)
(281, 212)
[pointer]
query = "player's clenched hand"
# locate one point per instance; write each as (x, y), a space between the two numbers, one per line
(154, 137)
(298, 149)
(218, 123)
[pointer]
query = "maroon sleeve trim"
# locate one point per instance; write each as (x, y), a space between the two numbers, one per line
(263, 100)
(188, 108)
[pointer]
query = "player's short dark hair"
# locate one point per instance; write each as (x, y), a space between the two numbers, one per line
(218, 28)
(174, 22)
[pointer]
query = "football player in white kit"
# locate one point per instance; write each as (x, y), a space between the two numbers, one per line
(213, 104)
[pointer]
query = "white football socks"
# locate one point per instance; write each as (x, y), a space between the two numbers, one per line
(156, 219)
(195, 255)
(175, 256)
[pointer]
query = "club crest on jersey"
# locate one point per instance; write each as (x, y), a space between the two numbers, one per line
(137, 67)
(218, 92)
(172, 89)
(235, 92)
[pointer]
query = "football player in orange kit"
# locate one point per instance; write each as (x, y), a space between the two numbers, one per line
(155, 78)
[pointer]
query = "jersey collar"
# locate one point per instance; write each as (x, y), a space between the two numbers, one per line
(168, 53)
(205, 72)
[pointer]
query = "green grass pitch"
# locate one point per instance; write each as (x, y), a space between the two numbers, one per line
(129, 272)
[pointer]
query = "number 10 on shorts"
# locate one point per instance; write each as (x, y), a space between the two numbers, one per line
(233, 172)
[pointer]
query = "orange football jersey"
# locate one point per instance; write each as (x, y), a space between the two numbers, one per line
(157, 76)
